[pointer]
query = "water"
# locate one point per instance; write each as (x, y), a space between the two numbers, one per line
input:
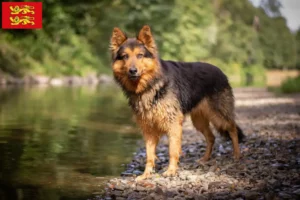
(62, 142)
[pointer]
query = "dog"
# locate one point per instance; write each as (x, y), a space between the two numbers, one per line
(161, 92)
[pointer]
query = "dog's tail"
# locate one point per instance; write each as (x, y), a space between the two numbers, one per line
(240, 133)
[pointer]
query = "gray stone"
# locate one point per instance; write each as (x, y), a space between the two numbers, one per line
(297, 192)
(40, 79)
(137, 172)
(105, 79)
(56, 82)
(192, 178)
(159, 190)
(120, 187)
(285, 195)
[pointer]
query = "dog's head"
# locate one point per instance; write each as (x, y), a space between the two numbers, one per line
(134, 60)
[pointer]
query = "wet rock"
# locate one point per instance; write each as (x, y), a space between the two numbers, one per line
(15, 81)
(221, 185)
(56, 82)
(40, 80)
(3, 80)
(120, 187)
(272, 181)
(170, 194)
(159, 191)
(118, 193)
(213, 168)
(270, 196)
(284, 195)
(120, 198)
(140, 188)
(192, 178)
(200, 197)
(73, 80)
(251, 195)
(126, 174)
(297, 192)
(137, 172)
(105, 79)
(91, 79)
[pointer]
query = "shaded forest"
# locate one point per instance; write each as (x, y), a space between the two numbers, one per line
(241, 39)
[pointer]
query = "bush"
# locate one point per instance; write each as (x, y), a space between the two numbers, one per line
(290, 85)
(253, 75)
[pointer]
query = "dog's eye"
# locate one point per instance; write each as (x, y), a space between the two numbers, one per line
(125, 57)
(140, 55)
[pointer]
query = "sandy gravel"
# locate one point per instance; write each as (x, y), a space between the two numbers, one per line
(269, 169)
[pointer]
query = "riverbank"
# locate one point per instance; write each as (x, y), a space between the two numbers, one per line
(56, 81)
(269, 168)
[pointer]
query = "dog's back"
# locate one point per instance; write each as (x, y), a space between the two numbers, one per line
(192, 81)
(203, 91)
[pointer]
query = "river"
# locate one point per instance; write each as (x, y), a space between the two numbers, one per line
(63, 142)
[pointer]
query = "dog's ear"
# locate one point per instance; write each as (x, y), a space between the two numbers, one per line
(145, 36)
(117, 38)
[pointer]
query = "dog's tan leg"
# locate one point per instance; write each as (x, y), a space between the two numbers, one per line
(202, 124)
(229, 125)
(235, 141)
(175, 135)
(210, 139)
(151, 139)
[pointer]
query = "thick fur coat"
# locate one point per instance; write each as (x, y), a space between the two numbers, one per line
(161, 93)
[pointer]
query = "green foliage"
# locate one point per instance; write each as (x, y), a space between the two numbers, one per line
(11, 58)
(234, 35)
(297, 49)
(278, 46)
(193, 33)
(290, 85)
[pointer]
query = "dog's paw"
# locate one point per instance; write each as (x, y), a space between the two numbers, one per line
(170, 172)
(143, 177)
(203, 159)
(237, 156)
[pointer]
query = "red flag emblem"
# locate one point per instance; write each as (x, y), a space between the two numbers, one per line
(21, 15)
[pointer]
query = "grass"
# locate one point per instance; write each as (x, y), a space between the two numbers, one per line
(290, 85)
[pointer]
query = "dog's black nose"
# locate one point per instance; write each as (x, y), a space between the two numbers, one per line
(132, 71)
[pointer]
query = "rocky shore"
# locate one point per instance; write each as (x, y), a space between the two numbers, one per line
(269, 168)
(56, 81)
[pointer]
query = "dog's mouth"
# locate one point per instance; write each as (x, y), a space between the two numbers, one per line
(134, 77)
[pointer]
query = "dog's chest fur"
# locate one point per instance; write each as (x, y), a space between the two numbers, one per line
(157, 107)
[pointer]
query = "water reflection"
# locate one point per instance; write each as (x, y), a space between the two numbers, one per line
(62, 143)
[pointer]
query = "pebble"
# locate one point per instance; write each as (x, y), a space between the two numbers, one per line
(159, 191)
(297, 192)
(192, 178)
(120, 187)
(284, 195)
(137, 172)
(126, 174)
(269, 168)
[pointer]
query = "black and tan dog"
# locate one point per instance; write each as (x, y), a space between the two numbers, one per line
(161, 92)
